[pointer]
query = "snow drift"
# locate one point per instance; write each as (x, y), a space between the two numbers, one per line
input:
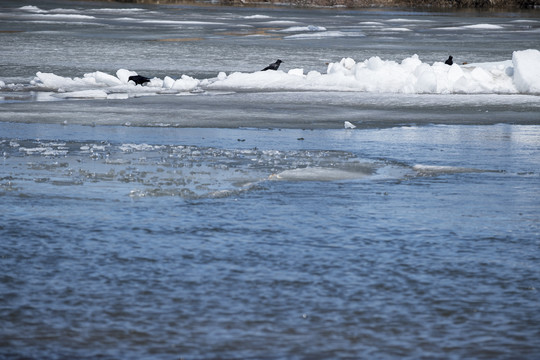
(520, 75)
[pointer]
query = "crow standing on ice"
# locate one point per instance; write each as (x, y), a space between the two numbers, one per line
(273, 66)
(449, 61)
(138, 79)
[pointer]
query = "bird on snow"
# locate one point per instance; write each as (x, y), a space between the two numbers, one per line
(449, 61)
(349, 125)
(273, 66)
(138, 79)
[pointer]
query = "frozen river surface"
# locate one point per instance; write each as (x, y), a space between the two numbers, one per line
(223, 212)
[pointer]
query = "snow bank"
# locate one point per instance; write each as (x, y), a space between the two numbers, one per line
(411, 75)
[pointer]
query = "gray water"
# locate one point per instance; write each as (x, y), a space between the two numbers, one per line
(253, 225)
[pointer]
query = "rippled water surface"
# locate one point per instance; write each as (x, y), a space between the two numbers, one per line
(410, 242)
(254, 225)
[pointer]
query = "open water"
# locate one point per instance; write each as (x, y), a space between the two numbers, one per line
(252, 225)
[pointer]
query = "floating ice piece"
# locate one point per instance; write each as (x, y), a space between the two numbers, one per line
(527, 70)
(52, 81)
(257, 17)
(297, 72)
(138, 147)
(473, 27)
(396, 29)
(32, 8)
(371, 23)
(319, 174)
(483, 26)
(324, 34)
(124, 75)
(104, 78)
(63, 16)
(304, 28)
(185, 83)
(349, 125)
(443, 169)
(122, 10)
(409, 20)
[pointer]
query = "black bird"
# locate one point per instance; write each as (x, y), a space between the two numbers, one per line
(273, 66)
(138, 79)
(449, 61)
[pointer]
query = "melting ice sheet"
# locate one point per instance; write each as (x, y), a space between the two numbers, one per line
(187, 171)
(142, 170)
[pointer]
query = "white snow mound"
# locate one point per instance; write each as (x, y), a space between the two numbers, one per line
(521, 74)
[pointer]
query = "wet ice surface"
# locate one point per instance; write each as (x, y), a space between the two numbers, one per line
(199, 163)
(304, 110)
(190, 172)
(245, 223)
